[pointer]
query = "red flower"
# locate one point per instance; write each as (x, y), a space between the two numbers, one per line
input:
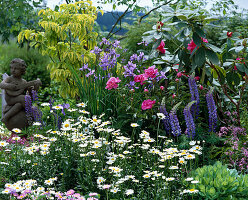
(161, 47)
(197, 78)
(229, 34)
(192, 45)
(235, 68)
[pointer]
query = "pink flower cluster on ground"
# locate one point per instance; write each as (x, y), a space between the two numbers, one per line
(192, 45)
(112, 83)
(147, 104)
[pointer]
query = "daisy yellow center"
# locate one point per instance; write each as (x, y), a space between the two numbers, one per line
(94, 120)
(66, 125)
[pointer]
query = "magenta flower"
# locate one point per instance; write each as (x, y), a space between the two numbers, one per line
(192, 45)
(161, 47)
(140, 78)
(151, 72)
(147, 104)
(112, 83)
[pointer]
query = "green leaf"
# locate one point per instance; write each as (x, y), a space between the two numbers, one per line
(236, 79)
(240, 67)
(214, 48)
(200, 32)
(212, 56)
(200, 58)
(196, 39)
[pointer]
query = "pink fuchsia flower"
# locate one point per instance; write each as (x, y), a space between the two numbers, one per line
(174, 96)
(161, 87)
(229, 34)
(201, 87)
(177, 80)
(160, 48)
(197, 78)
(146, 90)
(112, 83)
(140, 78)
(192, 45)
(147, 104)
(151, 72)
(132, 90)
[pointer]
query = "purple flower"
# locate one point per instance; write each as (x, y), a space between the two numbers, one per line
(175, 127)
(194, 97)
(212, 112)
(140, 57)
(34, 95)
(133, 57)
(28, 109)
(96, 50)
(105, 41)
(166, 120)
(190, 131)
(84, 67)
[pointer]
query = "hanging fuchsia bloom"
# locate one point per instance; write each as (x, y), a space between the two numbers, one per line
(140, 78)
(151, 72)
(147, 104)
(161, 47)
(112, 83)
(192, 45)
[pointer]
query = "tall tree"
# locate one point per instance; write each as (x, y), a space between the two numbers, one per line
(16, 15)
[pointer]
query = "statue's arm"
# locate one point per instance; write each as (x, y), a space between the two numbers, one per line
(8, 86)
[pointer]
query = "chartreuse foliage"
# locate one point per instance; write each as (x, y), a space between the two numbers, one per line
(67, 39)
(218, 182)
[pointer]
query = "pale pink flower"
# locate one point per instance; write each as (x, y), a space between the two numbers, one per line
(112, 83)
(147, 104)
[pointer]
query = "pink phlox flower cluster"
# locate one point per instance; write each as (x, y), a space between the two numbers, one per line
(112, 83)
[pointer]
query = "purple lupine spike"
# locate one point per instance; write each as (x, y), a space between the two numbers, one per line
(212, 111)
(194, 97)
(35, 95)
(165, 121)
(51, 101)
(28, 109)
(37, 115)
(175, 126)
(190, 131)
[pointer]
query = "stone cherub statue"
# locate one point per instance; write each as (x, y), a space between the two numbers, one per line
(16, 88)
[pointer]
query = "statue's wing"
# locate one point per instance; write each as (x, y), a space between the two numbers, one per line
(3, 94)
(5, 76)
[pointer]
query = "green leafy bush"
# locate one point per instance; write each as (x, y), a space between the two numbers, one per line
(35, 61)
(218, 182)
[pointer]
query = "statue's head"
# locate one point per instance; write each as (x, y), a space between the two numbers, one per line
(19, 66)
